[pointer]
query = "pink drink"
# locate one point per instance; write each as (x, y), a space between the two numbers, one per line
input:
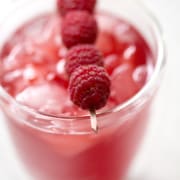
(66, 149)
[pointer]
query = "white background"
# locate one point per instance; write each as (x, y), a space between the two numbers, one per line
(159, 158)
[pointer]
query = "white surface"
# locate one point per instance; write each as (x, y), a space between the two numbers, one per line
(160, 155)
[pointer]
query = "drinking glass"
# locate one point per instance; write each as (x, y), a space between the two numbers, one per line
(65, 147)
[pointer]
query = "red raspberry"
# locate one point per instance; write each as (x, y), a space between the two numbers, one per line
(89, 87)
(82, 55)
(65, 6)
(79, 27)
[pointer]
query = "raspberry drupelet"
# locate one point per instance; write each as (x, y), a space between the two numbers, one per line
(78, 27)
(65, 6)
(89, 84)
(82, 55)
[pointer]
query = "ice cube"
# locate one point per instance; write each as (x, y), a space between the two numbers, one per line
(106, 22)
(140, 75)
(123, 84)
(124, 32)
(12, 76)
(48, 98)
(30, 73)
(13, 81)
(106, 43)
(16, 59)
(62, 76)
(111, 62)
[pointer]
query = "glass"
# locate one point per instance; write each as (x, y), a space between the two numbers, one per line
(53, 148)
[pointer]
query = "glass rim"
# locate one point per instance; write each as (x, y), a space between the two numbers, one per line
(160, 63)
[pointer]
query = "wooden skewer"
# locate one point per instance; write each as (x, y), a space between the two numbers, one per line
(94, 124)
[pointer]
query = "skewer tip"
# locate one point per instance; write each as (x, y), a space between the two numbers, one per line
(94, 124)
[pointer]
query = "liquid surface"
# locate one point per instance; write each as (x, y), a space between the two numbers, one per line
(33, 62)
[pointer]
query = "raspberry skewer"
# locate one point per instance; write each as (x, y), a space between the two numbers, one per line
(89, 83)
